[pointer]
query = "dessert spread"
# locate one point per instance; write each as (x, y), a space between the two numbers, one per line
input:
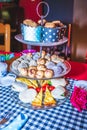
(42, 30)
(42, 95)
(33, 66)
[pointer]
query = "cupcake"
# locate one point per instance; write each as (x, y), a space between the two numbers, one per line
(50, 33)
(31, 31)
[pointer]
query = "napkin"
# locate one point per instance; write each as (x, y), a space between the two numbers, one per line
(17, 123)
(79, 98)
(8, 79)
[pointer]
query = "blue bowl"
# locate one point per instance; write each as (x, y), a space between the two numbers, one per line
(50, 34)
(31, 33)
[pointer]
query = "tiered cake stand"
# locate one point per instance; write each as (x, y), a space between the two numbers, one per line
(63, 41)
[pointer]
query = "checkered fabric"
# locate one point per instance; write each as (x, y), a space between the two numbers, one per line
(63, 117)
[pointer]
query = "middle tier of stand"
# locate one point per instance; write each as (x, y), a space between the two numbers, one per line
(19, 37)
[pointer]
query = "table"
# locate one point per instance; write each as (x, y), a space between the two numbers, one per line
(63, 117)
(78, 71)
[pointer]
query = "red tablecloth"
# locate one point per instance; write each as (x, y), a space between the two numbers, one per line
(78, 71)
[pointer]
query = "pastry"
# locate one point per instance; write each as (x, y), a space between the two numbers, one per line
(29, 56)
(30, 22)
(21, 66)
(41, 61)
(41, 67)
(36, 56)
(59, 82)
(26, 81)
(28, 95)
(34, 82)
(58, 93)
(56, 22)
(43, 54)
(50, 64)
(18, 86)
(33, 63)
(57, 70)
(21, 58)
(26, 62)
(47, 56)
(31, 73)
(48, 99)
(48, 73)
(56, 59)
(42, 22)
(32, 67)
(62, 65)
(23, 71)
(37, 102)
(40, 74)
(49, 25)
(15, 64)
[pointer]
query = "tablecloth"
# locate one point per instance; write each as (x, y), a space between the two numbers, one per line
(63, 117)
(78, 71)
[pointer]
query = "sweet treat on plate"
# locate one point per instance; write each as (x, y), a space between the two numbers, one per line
(31, 31)
(15, 64)
(56, 58)
(37, 102)
(23, 71)
(32, 67)
(43, 54)
(34, 82)
(22, 65)
(22, 57)
(29, 56)
(49, 25)
(57, 70)
(36, 56)
(62, 28)
(26, 62)
(59, 82)
(41, 67)
(42, 31)
(32, 63)
(50, 33)
(28, 95)
(53, 31)
(48, 99)
(41, 61)
(62, 65)
(50, 64)
(49, 73)
(47, 56)
(58, 93)
(18, 86)
(42, 22)
(32, 73)
(40, 74)
(26, 81)
(56, 22)
(30, 22)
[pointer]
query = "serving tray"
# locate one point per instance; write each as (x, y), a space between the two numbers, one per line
(66, 63)
(19, 38)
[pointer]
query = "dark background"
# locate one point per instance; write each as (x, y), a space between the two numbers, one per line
(60, 10)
